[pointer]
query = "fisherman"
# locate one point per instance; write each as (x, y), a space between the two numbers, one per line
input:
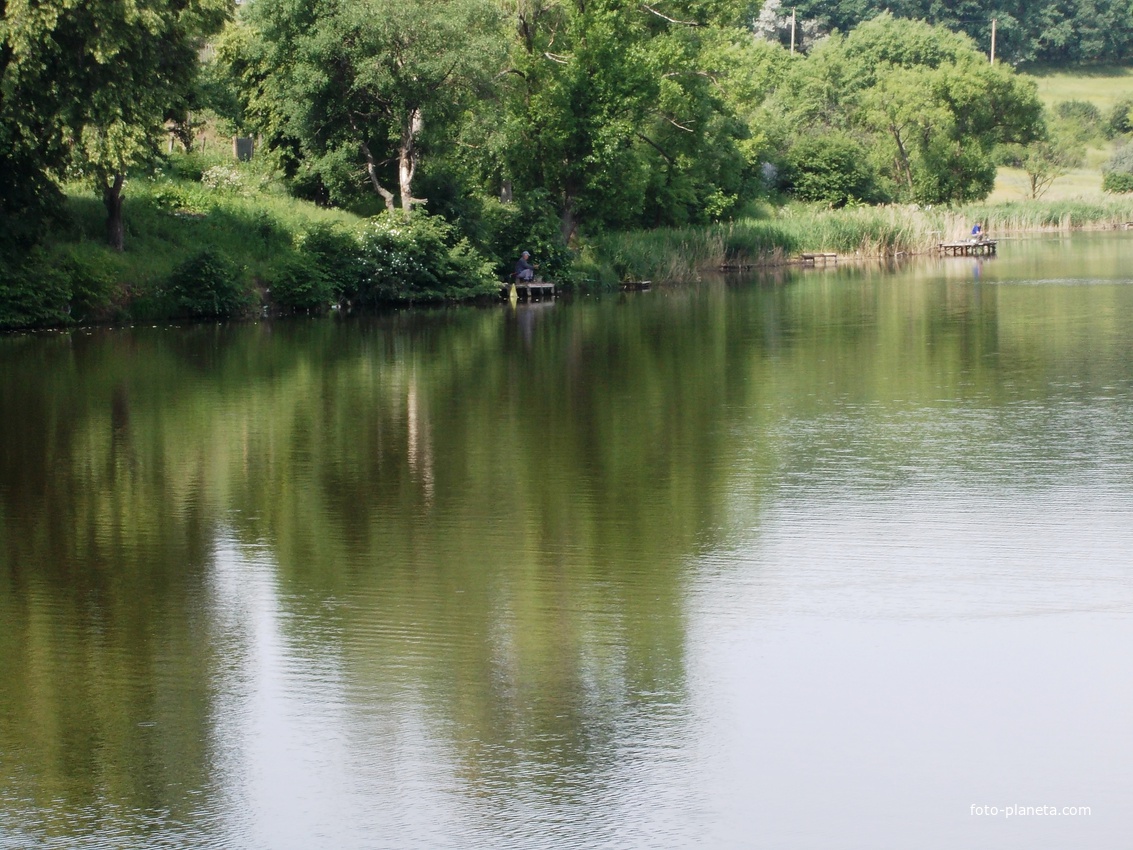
(524, 271)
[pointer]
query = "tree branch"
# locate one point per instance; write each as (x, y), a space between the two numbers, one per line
(649, 8)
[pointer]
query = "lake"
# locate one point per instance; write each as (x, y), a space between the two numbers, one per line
(832, 558)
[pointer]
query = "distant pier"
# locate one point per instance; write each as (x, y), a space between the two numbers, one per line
(981, 248)
(814, 258)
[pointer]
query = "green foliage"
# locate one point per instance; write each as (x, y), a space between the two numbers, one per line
(1079, 111)
(833, 168)
(417, 257)
(356, 88)
(208, 285)
(1118, 171)
(33, 292)
(90, 84)
(1085, 31)
(326, 267)
(301, 286)
(335, 252)
(1119, 121)
(527, 224)
(930, 106)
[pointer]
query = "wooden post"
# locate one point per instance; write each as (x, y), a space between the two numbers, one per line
(792, 32)
(993, 22)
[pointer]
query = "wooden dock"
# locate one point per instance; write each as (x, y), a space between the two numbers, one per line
(813, 259)
(968, 248)
(529, 290)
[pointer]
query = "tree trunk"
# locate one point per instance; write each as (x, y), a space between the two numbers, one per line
(372, 171)
(112, 199)
(567, 222)
(904, 154)
(407, 159)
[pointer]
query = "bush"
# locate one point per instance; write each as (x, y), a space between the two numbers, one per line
(831, 168)
(1079, 111)
(527, 224)
(208, 285)
(301, 286)
(1078, 120)
(33, 292)
(419, 257)
(335, 252)
(1117, 173)
(93, 280)
(1120, 119)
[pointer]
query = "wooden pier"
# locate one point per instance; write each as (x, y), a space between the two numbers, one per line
(968, 248)
(528, 290)
(813, 259)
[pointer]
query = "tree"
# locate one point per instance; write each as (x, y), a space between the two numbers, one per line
(1044, 162)
(359, 81)
(92, 83)
(934, 107)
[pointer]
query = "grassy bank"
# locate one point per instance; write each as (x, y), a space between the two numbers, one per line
(207, 237)
(673, 254)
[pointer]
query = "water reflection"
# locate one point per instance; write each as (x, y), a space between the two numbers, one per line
(747, 564)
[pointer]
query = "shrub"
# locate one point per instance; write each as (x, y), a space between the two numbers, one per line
(1079, 111)
(831, 168)
(527, 224)
(419, 257)
(33, 292)
(1117, 173)
(1078, 120)
(93, 281)
(301, 286)
(1120, 118)
(334, 251)
(223, 178)
(208, 285)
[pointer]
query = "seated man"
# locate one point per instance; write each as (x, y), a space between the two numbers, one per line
(523, 269)
(978, 233)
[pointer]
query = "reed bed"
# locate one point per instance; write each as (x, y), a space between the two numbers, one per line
(683, 253)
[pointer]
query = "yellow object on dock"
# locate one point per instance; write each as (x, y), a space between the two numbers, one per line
(528, 290)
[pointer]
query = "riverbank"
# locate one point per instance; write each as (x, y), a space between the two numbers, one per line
(216, 241)
(867, 232)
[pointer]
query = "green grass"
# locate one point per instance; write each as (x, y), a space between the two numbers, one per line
(1103, 85)
(170, 216)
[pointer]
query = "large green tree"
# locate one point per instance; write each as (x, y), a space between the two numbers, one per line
(930, 103)
(622, 112)
(358, 86)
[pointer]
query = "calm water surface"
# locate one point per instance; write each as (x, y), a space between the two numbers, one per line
(820, 561)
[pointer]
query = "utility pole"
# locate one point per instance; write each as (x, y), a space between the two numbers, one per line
(993, 41)
(792, 32)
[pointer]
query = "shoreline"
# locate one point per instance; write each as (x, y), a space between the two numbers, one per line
(666, 256)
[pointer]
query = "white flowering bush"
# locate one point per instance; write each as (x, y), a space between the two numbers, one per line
(222, 177)
(419, 258)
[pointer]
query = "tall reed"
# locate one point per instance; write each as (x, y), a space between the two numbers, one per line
(682, 253)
